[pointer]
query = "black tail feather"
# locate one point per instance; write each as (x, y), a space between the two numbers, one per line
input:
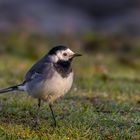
(9, 89)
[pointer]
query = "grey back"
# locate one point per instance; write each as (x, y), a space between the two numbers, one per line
(44, 67)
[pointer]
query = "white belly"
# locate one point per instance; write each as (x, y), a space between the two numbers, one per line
(52, 88)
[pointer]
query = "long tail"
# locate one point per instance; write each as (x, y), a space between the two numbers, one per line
(20, 87)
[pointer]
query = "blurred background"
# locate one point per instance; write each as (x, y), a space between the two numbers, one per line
(102, 30)
(104, 102)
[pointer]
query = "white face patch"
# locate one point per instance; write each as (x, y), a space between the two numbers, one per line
(64, 54)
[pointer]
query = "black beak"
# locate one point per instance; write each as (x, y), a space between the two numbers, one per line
(77, 55)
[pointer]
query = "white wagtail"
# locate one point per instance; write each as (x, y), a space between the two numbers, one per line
(50, 78)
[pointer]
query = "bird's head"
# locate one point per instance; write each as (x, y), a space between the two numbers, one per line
(62, 53)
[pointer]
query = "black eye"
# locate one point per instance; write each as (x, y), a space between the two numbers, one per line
(65, 54)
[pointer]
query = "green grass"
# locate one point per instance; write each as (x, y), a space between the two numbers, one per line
(104, 103)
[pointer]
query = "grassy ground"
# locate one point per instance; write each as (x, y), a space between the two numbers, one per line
(104, 103)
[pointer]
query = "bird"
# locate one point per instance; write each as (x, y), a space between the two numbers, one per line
(50, 78)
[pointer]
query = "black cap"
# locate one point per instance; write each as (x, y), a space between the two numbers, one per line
(57, 48)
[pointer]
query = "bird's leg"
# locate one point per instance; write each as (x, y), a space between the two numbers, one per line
(38, 112)
(52, 115)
